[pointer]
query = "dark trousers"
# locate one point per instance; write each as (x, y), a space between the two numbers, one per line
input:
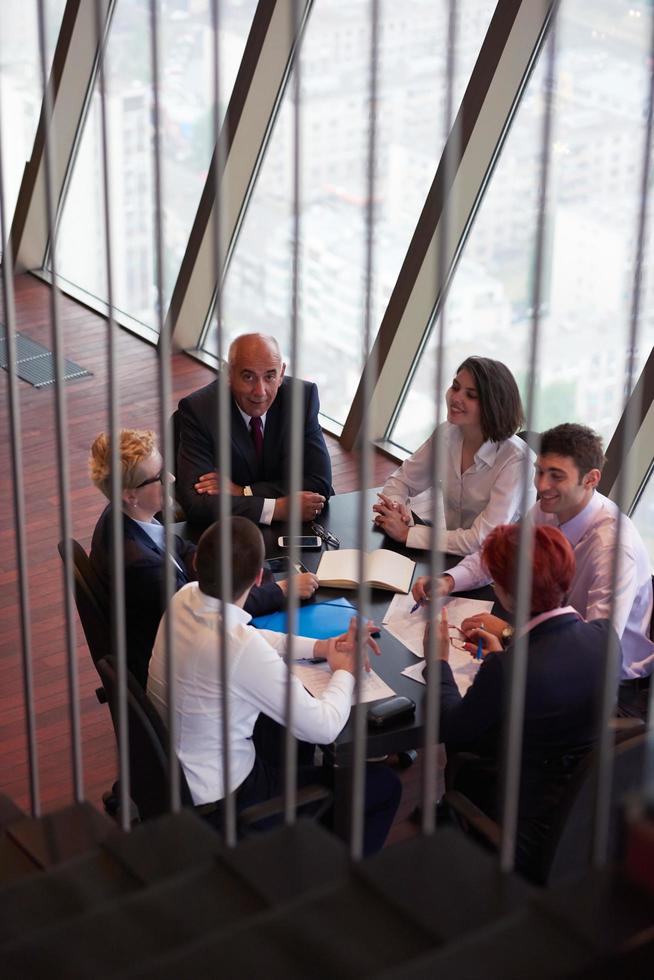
(382, 797)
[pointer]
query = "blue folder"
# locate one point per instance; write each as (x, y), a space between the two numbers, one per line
(320, 620)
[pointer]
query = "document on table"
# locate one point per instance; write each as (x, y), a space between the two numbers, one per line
(315, 677)
(409, 628)
(464, 669)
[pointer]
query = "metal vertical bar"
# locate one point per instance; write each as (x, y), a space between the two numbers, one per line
(363, 517)
(297, 441)
(117, 559)
(18, 496)
(223, 445)
(631, 411)
(61, 430)
(512, 749)
(432, 700)
(164, 351)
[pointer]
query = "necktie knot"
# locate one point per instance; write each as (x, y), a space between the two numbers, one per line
(256, 431)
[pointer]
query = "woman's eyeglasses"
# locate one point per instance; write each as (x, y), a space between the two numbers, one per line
(459, 641)
(159, 478)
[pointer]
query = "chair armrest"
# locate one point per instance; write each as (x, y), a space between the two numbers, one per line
(315, 798)
(474, 818)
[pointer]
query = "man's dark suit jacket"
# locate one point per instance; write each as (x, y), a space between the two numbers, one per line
(144, 585)
(565, 671)
(197, 452)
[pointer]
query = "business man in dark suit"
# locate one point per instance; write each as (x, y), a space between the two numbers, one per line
(260, 441)
(565, 674)
(143, 546)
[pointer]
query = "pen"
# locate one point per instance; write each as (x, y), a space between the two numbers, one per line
(417, 606)
(316, 660)
(479, 653)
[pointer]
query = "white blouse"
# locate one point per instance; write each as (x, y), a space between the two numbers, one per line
(487, 494)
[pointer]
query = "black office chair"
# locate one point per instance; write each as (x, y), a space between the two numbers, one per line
(566, 850)
(149, 761)
(92, 601)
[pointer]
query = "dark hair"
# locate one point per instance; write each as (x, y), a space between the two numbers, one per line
(553, 563)
(248, 553)
(499, 399)
(578, 442)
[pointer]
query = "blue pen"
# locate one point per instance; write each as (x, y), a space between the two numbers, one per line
(480, 655)
(417, 606)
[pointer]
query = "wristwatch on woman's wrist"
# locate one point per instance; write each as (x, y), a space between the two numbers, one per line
(506, 636)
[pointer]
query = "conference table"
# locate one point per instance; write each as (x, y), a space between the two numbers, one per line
(341, 517)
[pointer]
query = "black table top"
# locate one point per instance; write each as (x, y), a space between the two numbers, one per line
(341, 517)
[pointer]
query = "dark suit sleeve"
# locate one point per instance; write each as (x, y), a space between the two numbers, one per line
(264, 599)
(195, 456)
(317, 466)
(464, 720)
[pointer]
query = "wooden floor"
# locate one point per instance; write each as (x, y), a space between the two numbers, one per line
(85, 338)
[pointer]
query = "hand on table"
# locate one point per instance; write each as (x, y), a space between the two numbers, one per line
(489, 642)
(392, 517)
(340, 651)
(484, 622)
(423, 587)
(306, 584)
(311, 504)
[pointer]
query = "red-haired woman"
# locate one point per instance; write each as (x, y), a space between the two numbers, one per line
(564, 681)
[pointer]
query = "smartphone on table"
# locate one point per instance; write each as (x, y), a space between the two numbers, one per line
(282, 566)
(310, 542)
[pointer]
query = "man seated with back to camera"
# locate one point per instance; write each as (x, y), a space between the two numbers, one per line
(258, 680)
(567, 471)
(142, 497)
(260, 406)
(563, 689)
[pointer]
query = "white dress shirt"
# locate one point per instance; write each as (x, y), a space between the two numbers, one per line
(592, 535)
(268, 509)
(487, 494)
(257, 682)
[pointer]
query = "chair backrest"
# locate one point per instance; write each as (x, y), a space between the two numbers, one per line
(148, 745)
(568, 849)
(92, 603)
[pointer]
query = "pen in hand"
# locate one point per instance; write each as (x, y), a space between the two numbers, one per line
(417, 606)
(479, 655)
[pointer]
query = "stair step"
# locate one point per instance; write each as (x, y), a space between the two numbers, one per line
(55, 837)
(287, 862)
(53, 896)
(9, 811)
(526, 944)
(446, 856)
(169, 845)
(152, 920)
(15, 864)
(345, 931)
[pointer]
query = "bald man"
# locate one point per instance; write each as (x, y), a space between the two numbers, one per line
(260, 441)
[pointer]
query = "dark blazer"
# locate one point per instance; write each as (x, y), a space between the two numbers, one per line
(144, 585)
(565, 670)
(197, 452)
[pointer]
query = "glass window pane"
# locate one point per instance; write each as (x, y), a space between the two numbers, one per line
(21, 91)
(187, 140)
(601, 91)
(335, 92)
(643, 517)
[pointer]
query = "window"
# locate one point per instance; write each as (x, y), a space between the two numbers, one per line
(601, 91)
(335, 91)
(21, 89)
(187, 140)
(643, 516)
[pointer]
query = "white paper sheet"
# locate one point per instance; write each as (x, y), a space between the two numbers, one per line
(464, 669)
(409, 628)
(315, 677)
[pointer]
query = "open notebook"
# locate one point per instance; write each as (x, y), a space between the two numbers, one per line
(383, 570)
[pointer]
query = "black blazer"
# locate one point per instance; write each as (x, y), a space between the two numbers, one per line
(197, 452)
(565, 671)
(144, 585)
